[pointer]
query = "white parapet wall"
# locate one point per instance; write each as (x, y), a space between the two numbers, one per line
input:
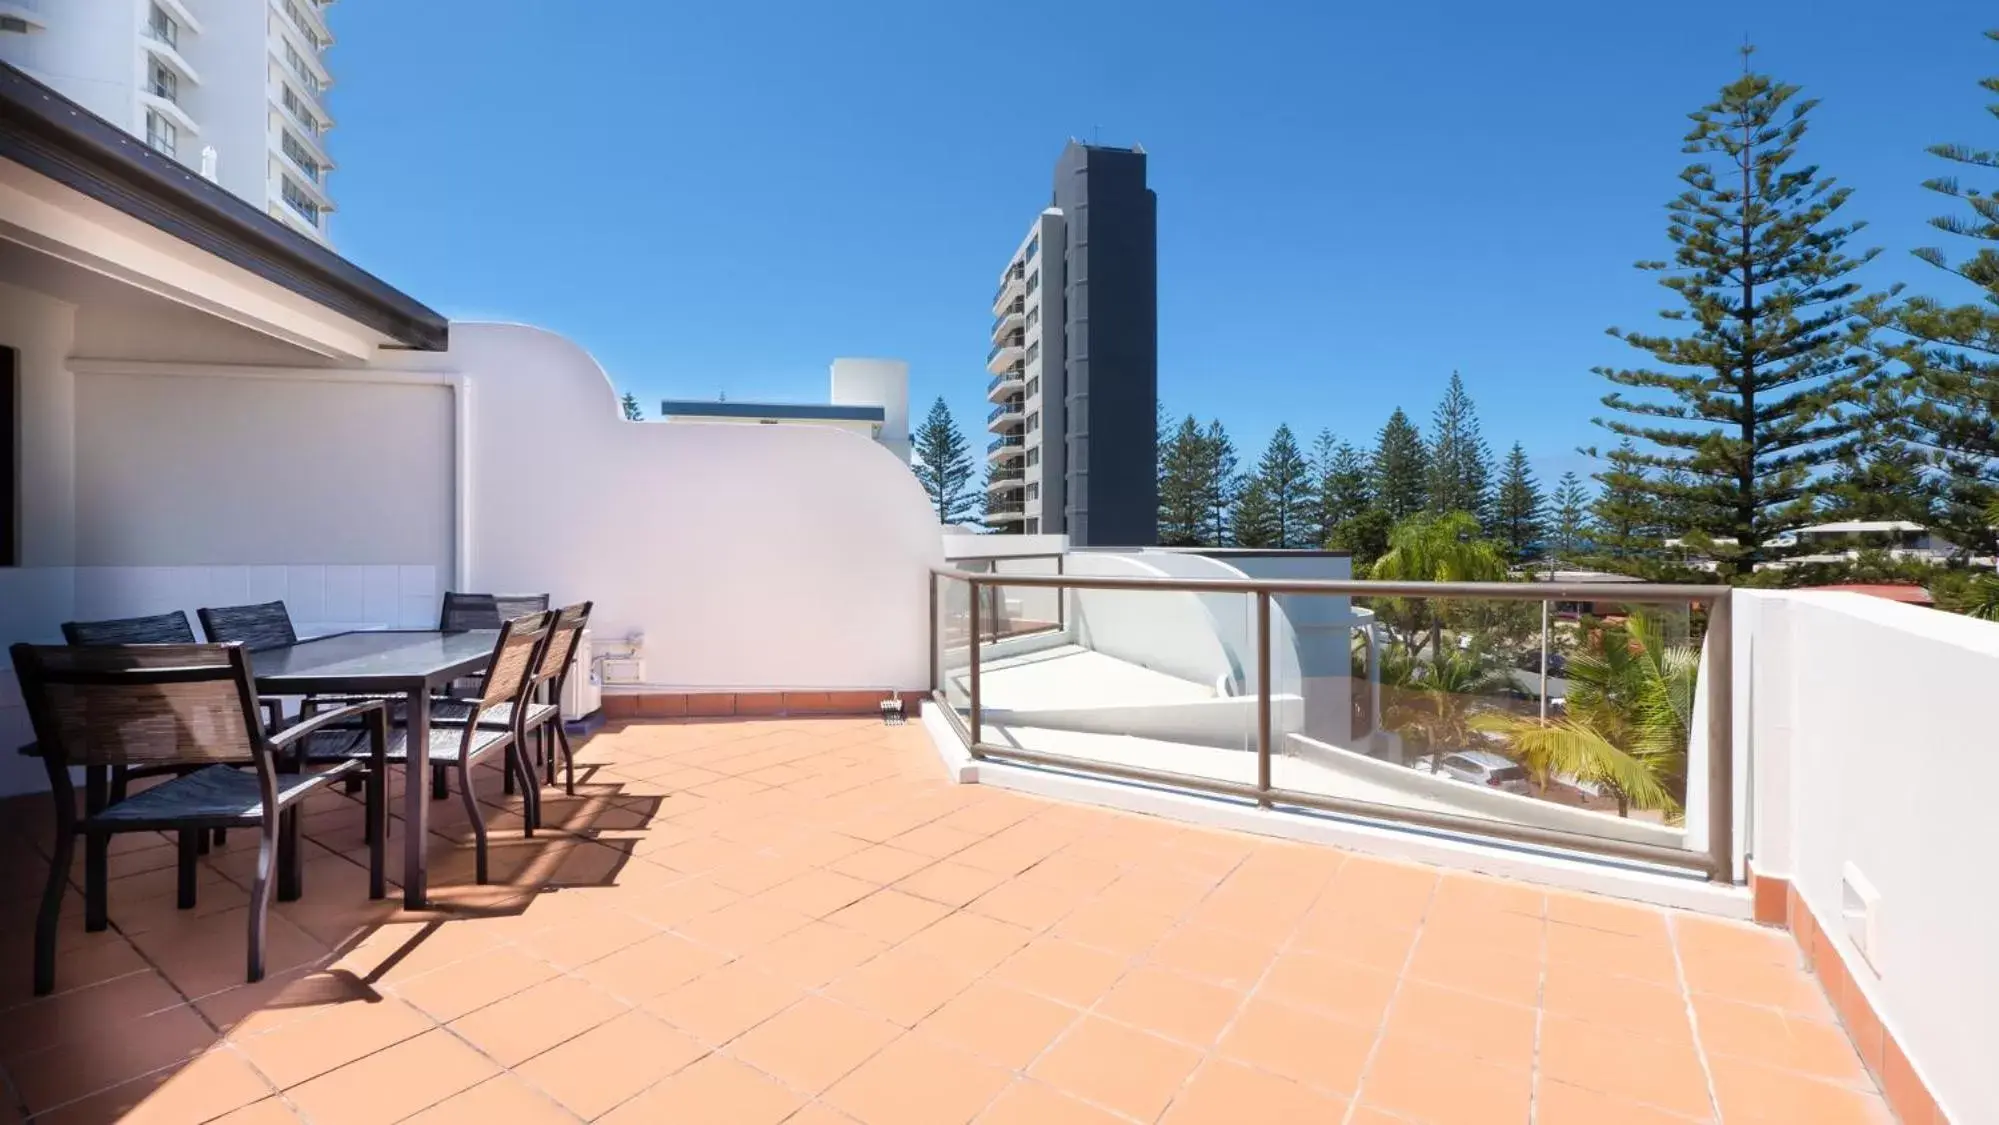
(764, 558)
(747, 557)
(1870, 728)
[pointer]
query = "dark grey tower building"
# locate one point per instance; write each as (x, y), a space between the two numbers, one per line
(1075, 360)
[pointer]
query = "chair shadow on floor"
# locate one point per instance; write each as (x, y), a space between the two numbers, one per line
(138, 1006)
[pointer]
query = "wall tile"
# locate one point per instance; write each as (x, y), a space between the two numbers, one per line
(381, 594)
(346, 594)
(418, 581)
(305, 592)
(228, 585)
(265, 584)
(419, 611)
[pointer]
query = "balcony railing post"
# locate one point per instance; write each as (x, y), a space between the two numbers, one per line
(1061, 599)
(936, 641)
(1263, 698)
(1544, 660)
(973, 682)
(1720, 689)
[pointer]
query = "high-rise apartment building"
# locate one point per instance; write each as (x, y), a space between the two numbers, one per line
(1075, 360)
(233, 89)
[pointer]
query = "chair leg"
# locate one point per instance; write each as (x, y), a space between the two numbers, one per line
(50, 914)
(291, 857)
(439, 790)
(260, 892)
(378, 833)
(478, 821)
(190, 850)
(517, 760)
(96, 880)
(568, 756)
(507, 775)
(120, 786)
(221, 837)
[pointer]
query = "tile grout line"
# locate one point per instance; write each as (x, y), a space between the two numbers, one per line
(1132, 963)
(1693, 1018)
(1540, 1020)
(1250, 993)
(1388, 1010)
(813, 991)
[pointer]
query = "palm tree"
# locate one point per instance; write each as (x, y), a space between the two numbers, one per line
(1438, 702)
(1629, 709)
(1436, 547)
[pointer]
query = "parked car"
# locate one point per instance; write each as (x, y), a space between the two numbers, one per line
(1558, 665)
(1479, 767)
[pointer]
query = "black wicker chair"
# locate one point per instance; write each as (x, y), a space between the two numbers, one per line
(507, 681)
(542, 715)
(462, 612)
(158, 629)
(185, 707)
(255, 627)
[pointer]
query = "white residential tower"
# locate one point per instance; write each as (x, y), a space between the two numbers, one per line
(233, 89)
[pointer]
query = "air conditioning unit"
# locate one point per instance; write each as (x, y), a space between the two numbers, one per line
(582, 692)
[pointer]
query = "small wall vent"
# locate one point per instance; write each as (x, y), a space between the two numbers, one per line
(1860, 909)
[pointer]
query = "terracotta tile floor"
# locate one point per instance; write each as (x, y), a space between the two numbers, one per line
(800, 921)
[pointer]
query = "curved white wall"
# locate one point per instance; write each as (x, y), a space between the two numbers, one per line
(753, 557)
(1170, 632)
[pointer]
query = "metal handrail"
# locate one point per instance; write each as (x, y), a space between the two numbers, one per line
(1717, 861)
(1645, 594)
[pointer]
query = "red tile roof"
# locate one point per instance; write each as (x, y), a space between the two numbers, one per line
(1893, 591)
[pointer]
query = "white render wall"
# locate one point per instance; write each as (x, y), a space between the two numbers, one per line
(280, 469)
(877, 382)
(1872, 741)
(753, 557)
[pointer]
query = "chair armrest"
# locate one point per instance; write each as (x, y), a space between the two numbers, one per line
(303, 727)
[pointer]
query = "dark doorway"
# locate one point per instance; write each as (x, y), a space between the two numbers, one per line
(10, 461)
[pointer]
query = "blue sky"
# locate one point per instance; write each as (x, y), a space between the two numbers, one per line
(1354, 200)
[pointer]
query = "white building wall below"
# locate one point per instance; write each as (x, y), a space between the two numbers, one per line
(1871, 751)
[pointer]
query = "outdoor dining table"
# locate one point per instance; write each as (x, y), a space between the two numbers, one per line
(411, 664)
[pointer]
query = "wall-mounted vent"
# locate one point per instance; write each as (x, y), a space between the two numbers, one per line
(15, 24)
(1860, 909)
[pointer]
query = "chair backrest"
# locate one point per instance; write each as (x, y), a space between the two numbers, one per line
(514, 658)
(463, 612)
(255, 627)
(140, 704)
(159, 629)
(563, 637)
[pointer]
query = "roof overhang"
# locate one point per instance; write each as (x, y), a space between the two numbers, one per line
(48, 134)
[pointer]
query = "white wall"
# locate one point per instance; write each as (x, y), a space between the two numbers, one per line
(279, 470)
(1175, 633)
(755, 557)
(1873, 741)
(877, 382)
